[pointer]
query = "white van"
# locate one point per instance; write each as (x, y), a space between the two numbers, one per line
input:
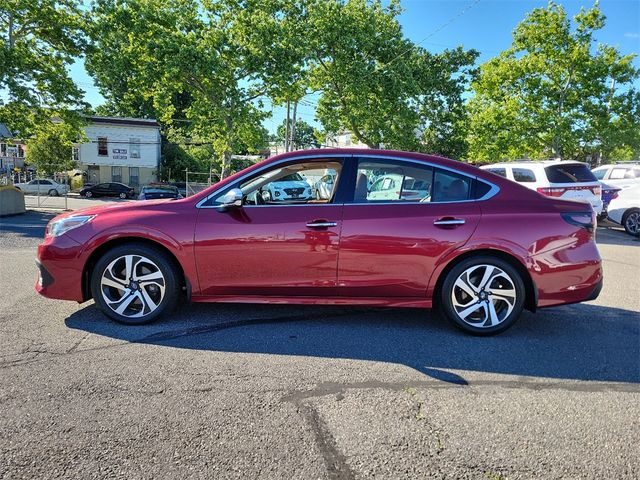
(564, 179)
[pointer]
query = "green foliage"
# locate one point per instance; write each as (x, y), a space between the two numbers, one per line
(200, 67)
(49, 150)
(550, 94)
(379, 85)
(39, 41)
(305, 135)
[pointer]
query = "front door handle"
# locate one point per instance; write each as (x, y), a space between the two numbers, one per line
(321, 224)
(448, 221)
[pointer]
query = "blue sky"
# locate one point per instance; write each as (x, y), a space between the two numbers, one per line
(484, 25)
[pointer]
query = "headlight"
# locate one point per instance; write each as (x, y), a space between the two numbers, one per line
(58, 227)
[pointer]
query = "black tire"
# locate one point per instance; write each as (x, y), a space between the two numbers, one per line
(631, 230)
(53, 192)
(123, 195)
(88, 194)
(164, 264)
(477, 328)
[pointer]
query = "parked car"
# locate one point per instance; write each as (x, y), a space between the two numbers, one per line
(609, 192)
(622, 174)
(112, 189)
(43, 187)
(563, 179)
(481, 247)
(181, 186)
(292, 187)
(625, 209)
(394, 186)
(154, 192)
(323, 188)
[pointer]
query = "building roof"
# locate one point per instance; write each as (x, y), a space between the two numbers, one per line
(140, 122)
(5, 132)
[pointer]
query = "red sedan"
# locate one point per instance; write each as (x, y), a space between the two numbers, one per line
(395, 229)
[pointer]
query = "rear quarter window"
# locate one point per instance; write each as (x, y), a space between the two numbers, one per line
(569, 173)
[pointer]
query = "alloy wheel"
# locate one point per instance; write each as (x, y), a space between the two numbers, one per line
(483, 296)
(132, 286)
(632, 223)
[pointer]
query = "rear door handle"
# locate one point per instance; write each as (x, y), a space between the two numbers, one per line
(448, 221)
(321, 224)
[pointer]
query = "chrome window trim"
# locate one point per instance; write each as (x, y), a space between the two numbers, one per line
(491, 193)
(286, 160)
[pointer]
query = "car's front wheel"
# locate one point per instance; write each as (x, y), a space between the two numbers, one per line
(631, 221)
(483, 295)
(88, 194)
(135, 284)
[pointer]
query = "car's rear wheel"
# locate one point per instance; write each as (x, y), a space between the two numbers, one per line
(88, 194)
(135, 284)
(631, 221)
(483, 295)
(123, 195)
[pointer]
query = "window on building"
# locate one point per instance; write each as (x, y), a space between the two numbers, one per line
(347, 139)
(134, 147)
(3, 149)
(20, 151)
(116, 174)
(75, 154)
(103, 148)
(134, 176)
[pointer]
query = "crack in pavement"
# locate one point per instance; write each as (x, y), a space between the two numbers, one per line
(334, 460)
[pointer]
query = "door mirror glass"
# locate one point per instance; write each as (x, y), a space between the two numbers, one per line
(232, 199)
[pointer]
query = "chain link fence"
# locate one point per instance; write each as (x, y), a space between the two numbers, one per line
(40, 192)
(196, 182)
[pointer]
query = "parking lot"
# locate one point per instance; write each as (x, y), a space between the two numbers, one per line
(224, 391)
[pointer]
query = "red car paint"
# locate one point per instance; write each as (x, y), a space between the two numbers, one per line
(377, 254)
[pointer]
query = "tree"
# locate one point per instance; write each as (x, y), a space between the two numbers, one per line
(380, 86)
(305, 136)
(554, 93)
(50, 149)
(200, 67)
(40, 41)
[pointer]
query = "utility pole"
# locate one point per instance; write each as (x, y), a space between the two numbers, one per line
(286, 127)
(292, 142)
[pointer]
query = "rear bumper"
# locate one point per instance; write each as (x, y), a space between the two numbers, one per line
(567, 279)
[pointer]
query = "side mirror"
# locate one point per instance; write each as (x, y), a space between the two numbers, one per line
(232, 199)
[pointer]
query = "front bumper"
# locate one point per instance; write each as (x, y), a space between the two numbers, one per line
(60, 268)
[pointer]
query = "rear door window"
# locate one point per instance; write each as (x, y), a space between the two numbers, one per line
(569, 173)
(599, 174)
(523, 175)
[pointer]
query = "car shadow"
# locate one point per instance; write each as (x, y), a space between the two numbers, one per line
(575, 342)
(612, 234)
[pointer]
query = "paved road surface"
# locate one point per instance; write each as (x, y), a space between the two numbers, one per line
(239, 391)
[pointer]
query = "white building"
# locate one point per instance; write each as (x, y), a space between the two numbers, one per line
(343, 140)
(11, 150)
(123, 150)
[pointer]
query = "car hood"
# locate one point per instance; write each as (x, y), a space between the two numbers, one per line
(291, 184)
(115, 207)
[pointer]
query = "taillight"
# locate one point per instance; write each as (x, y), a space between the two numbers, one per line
(596, 190)
(552, 191)
(586, 220)
(615, 195)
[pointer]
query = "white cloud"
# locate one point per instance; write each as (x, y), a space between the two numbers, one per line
(632, 35)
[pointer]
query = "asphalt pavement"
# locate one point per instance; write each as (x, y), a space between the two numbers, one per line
(242, 391)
